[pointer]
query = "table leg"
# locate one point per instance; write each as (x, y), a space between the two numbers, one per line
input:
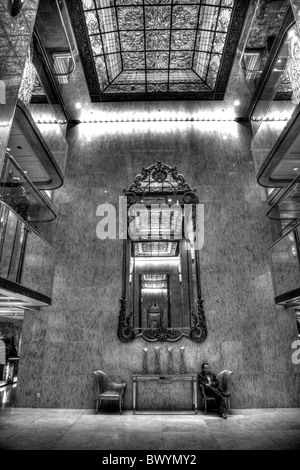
(134, 395)
(195, 395)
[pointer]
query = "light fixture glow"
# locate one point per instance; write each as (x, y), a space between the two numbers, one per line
(151, 291)
(78, 105)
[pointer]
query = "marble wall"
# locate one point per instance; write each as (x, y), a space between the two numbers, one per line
(64, 343)
(15, 36)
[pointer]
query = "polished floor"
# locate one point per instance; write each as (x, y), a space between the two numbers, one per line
(80, 429)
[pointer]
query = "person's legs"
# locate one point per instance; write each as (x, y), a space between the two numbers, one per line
(218, 395)
(221, 405)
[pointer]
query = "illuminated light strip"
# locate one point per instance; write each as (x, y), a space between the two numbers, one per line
(49, 121)
(147, 120)
(257, 119)
(151, 291)
(157, 259)
(96, 121)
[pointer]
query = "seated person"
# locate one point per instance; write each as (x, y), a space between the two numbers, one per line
(212, 388)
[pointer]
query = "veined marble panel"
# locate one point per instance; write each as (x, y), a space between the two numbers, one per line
(246, 334)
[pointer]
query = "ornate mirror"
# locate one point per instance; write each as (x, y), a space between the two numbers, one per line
(161, 298)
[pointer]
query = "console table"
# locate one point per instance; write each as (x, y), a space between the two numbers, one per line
(164, 379)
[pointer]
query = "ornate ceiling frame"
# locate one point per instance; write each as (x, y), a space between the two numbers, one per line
(82, 37)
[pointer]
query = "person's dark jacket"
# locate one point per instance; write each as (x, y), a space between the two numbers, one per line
(203, 380)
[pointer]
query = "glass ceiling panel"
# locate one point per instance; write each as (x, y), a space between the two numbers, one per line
(141, 46)
(149, 249)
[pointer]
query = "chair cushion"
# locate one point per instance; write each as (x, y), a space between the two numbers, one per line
(109, 394)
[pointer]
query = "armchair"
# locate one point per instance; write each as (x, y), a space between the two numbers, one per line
(108, 390)
(223, 378)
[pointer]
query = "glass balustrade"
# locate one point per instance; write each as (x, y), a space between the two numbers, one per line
(285, 209)
(25, 257)
(33, 206)
(284, 255)
(258, 46)
(275, 112)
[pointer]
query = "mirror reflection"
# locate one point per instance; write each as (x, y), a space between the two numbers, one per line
(161, 298)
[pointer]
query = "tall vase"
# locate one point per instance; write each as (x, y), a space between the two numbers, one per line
(182, 361)
(157, 367)
(145, 361)
(170, 364)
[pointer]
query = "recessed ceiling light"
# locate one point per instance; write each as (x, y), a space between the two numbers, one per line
(105, 191)
(225, 137)
(236, 102)
(78, 105)
(295, 169)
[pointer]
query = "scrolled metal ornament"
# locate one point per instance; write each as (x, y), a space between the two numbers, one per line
(131, 198)
(162, 334)
(199, 331)
(125, 332)
(190, 197)
(160, 172)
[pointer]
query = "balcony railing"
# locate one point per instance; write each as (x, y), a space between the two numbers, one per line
(26, 260)
(19, 193)
(285, 209)
(284, 254)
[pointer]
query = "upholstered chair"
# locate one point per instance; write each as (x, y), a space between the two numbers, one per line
(108, 390)
(223, 378)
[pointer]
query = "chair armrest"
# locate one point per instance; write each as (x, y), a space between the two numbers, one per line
(202, 389)
(120, 387)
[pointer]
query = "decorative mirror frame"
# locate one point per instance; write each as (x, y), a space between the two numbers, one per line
(159, 172)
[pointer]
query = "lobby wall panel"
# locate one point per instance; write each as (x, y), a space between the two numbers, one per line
(246, 333)
(15, 35)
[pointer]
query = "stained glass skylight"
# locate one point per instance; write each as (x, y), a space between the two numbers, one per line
(158, 46)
